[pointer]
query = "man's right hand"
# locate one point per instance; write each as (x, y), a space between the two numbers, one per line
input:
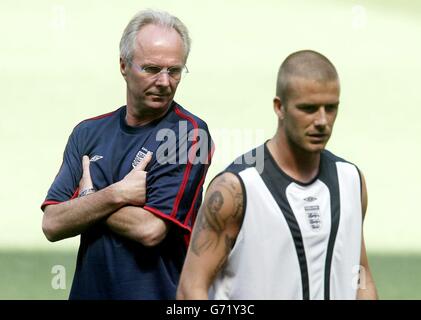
(133, 187)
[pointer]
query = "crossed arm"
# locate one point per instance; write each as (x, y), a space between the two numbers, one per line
(118, 204)
(214, 234)
(139, 225)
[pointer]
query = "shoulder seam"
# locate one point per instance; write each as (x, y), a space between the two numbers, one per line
(102, 116)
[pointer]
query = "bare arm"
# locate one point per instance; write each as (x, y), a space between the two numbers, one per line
(73, 217)
(367, 288)
(214, 234)
(132, 222)
(139, 225)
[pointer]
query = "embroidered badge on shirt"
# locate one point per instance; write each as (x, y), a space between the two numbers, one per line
(139, 156)
(313, 214)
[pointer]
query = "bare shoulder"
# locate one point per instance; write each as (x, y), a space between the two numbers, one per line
(220, 216)
(226, 193)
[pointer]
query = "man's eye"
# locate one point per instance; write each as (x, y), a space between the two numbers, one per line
(308, 109)
(331, 107)
(152, 69)
(175, 71)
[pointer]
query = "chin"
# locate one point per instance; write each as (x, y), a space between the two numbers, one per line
(317, 148)
(158, 105)
(313, 147)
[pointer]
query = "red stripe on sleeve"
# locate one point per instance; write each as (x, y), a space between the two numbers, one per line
(48, 202)
(167, 217)
(189, 163)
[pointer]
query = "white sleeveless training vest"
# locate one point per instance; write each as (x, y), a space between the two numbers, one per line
(297, 241)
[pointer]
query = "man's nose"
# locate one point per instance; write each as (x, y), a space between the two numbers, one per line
(321, 118)
(163, 79)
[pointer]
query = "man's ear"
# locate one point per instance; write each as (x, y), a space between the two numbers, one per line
(123, 68)
(279, 108)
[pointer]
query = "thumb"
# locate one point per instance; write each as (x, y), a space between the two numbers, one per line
(86, 176)
(142, 165)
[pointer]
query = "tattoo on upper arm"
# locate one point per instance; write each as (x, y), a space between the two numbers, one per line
(229, 243)
(213, 206)
(211, 224)
(238, 201)
(208, 220)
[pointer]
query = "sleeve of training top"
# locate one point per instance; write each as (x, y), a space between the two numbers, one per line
(66, 182)
(174, 188)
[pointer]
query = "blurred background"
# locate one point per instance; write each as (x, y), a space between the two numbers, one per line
(59, 65)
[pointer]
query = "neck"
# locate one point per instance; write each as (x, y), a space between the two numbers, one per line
(299, 164)
(138, 116)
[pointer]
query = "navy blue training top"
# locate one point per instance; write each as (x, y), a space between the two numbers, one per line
(110, 266)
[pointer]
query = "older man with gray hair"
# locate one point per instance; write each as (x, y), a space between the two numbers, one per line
(118, 189)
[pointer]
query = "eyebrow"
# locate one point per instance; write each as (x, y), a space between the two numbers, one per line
(159, 66)
(304, 105)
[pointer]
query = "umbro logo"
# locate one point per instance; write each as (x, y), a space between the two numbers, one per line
(96, 158)
(310, 199)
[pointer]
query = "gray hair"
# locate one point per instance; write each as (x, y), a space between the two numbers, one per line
(149, 16)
